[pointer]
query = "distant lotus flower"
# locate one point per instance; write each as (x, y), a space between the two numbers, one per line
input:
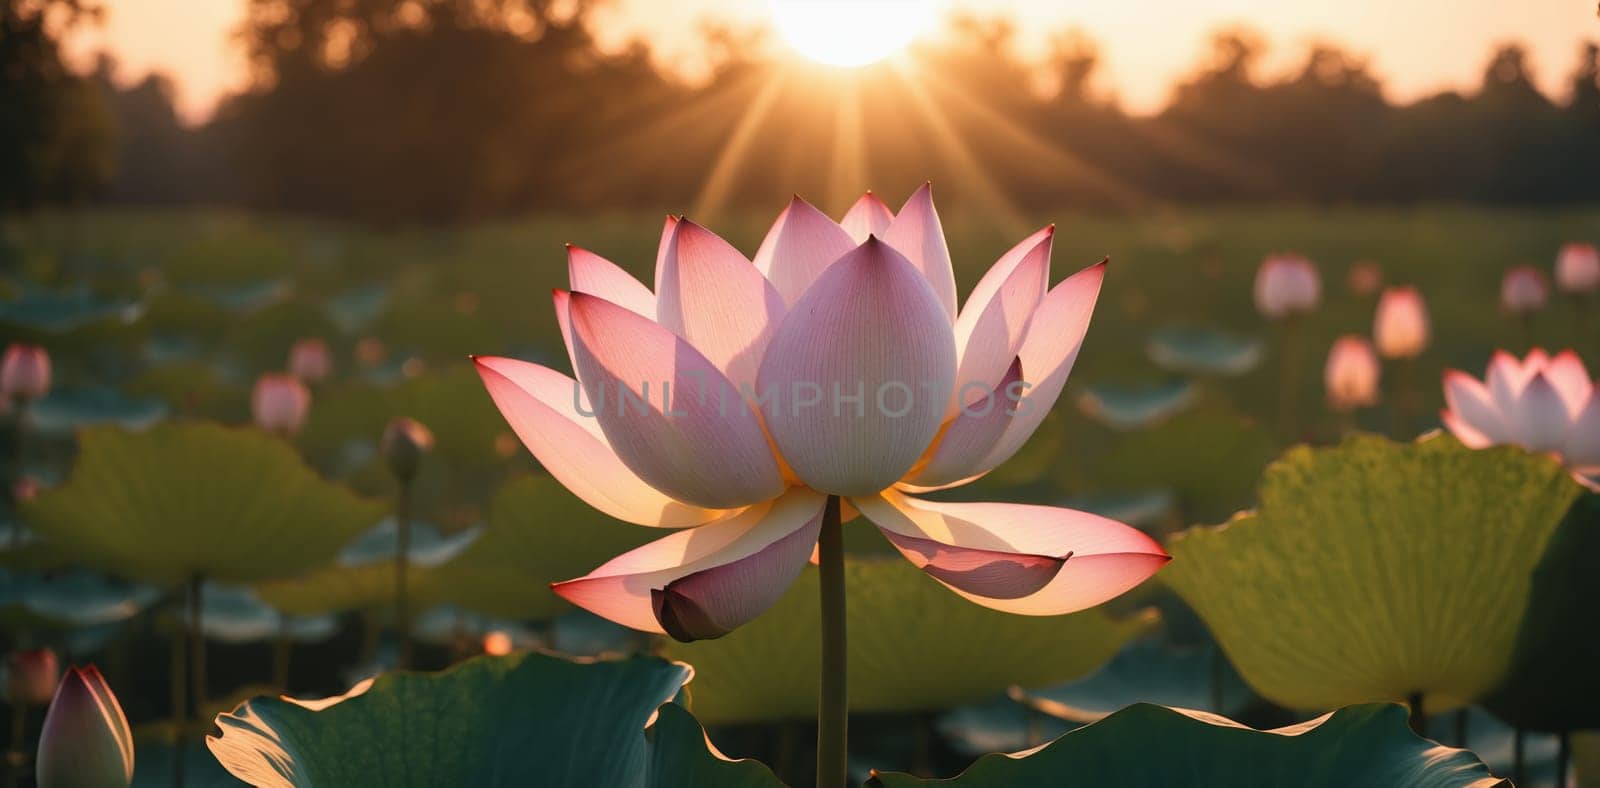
(1523, 290)
(404, 442)
(31, 676)
(1578, 269)
(86, 742)
(1400, 328)
(835, 364)
(310, 361)
(280, 403)
(1351, 374)
(1287, 285)
(1364, 278)
(25, 372)
(1542, 403)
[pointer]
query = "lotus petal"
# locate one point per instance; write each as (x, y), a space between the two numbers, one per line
(802, 242)
(917, 234)
(992, 325)
(716, 300)
(590, 273)
(868, 216)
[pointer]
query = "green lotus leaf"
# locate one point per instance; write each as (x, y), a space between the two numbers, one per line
(1148, 671)
(913, 645)
(1203, 350)
(332, 588)
(538, 533)
(1147, 745)
(1374, 570)
(181, 500)
(1555, 675)
(530, 719)
(1125, 407)
(1210, 458)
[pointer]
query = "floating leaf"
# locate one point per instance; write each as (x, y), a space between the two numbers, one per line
(1131, 407)
(913, 645)
(64, 310)
(1555, 676)
(1146, 745)
(530, 719)
(1375, 569)
(77, 598)
(1148, 671)
(66, 409)
(245, 297)
(429, 546)
(186, 500)
(233, 614)
(1196, 349)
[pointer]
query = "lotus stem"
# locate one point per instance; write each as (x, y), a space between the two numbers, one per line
(1518, 756)
(1419, 714)
(177, 678)
(1288, 376)
(1563, 757)
(281, 652)
(833, 707)
(1461, 727)
(1217, 674)
(402, 616)
(1401, 398)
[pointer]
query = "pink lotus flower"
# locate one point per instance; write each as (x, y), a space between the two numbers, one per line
(25, 372)
(86, 740)
(834, 364)
(310, 360)
(1287, 285)
(1542, 403)
(1351, 374)
(280, 403)
(1578, 269)
(1523, 290)
(31, 676)
(1400, 328)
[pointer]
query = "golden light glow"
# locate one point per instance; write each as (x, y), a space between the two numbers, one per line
(850, 32)
(497, 643)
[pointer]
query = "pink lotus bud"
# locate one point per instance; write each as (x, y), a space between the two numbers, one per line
(404, 442)
(310, 361)
(1287, 285)
(1401, 326)
(85, 741)
(31, 676)
(1523, 290)
(1364, 278)
(280, 403)
(25, 373)
(1578, 268)
(1351, 374)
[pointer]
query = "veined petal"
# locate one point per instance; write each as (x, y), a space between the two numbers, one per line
(802, 242)
(992, 325)
(1567, 373)
(1540, 417)
(539, 405)
(1472, 414)
(671, 416)
(702, 582)
(868, 216)
(968, 438)
(855, 382)
(710, 295)
(917, 234)
(1054, 337)
(1025, 559)
(590, 273)
(667, 227)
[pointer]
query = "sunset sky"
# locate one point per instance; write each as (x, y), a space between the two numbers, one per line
(1416, 46)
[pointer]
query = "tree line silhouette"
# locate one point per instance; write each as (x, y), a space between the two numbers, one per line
(392, 111)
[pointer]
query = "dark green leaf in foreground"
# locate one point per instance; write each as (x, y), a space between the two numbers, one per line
(1376, 569)
(180, 500)
(914, 645)
(1145, 745)
(530, 719)
(1554, 683)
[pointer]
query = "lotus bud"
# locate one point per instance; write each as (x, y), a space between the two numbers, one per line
(25, 373)
(85, 742)
(1287, 285)
(310, 361)
(280, 403)
(404, 442)
(31, 676)
(1365, 278)
(1578, 269)
(1351, 374)
(1400, 328)
(1523, 290)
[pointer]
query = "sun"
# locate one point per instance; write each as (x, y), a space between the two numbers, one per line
(850, 32)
